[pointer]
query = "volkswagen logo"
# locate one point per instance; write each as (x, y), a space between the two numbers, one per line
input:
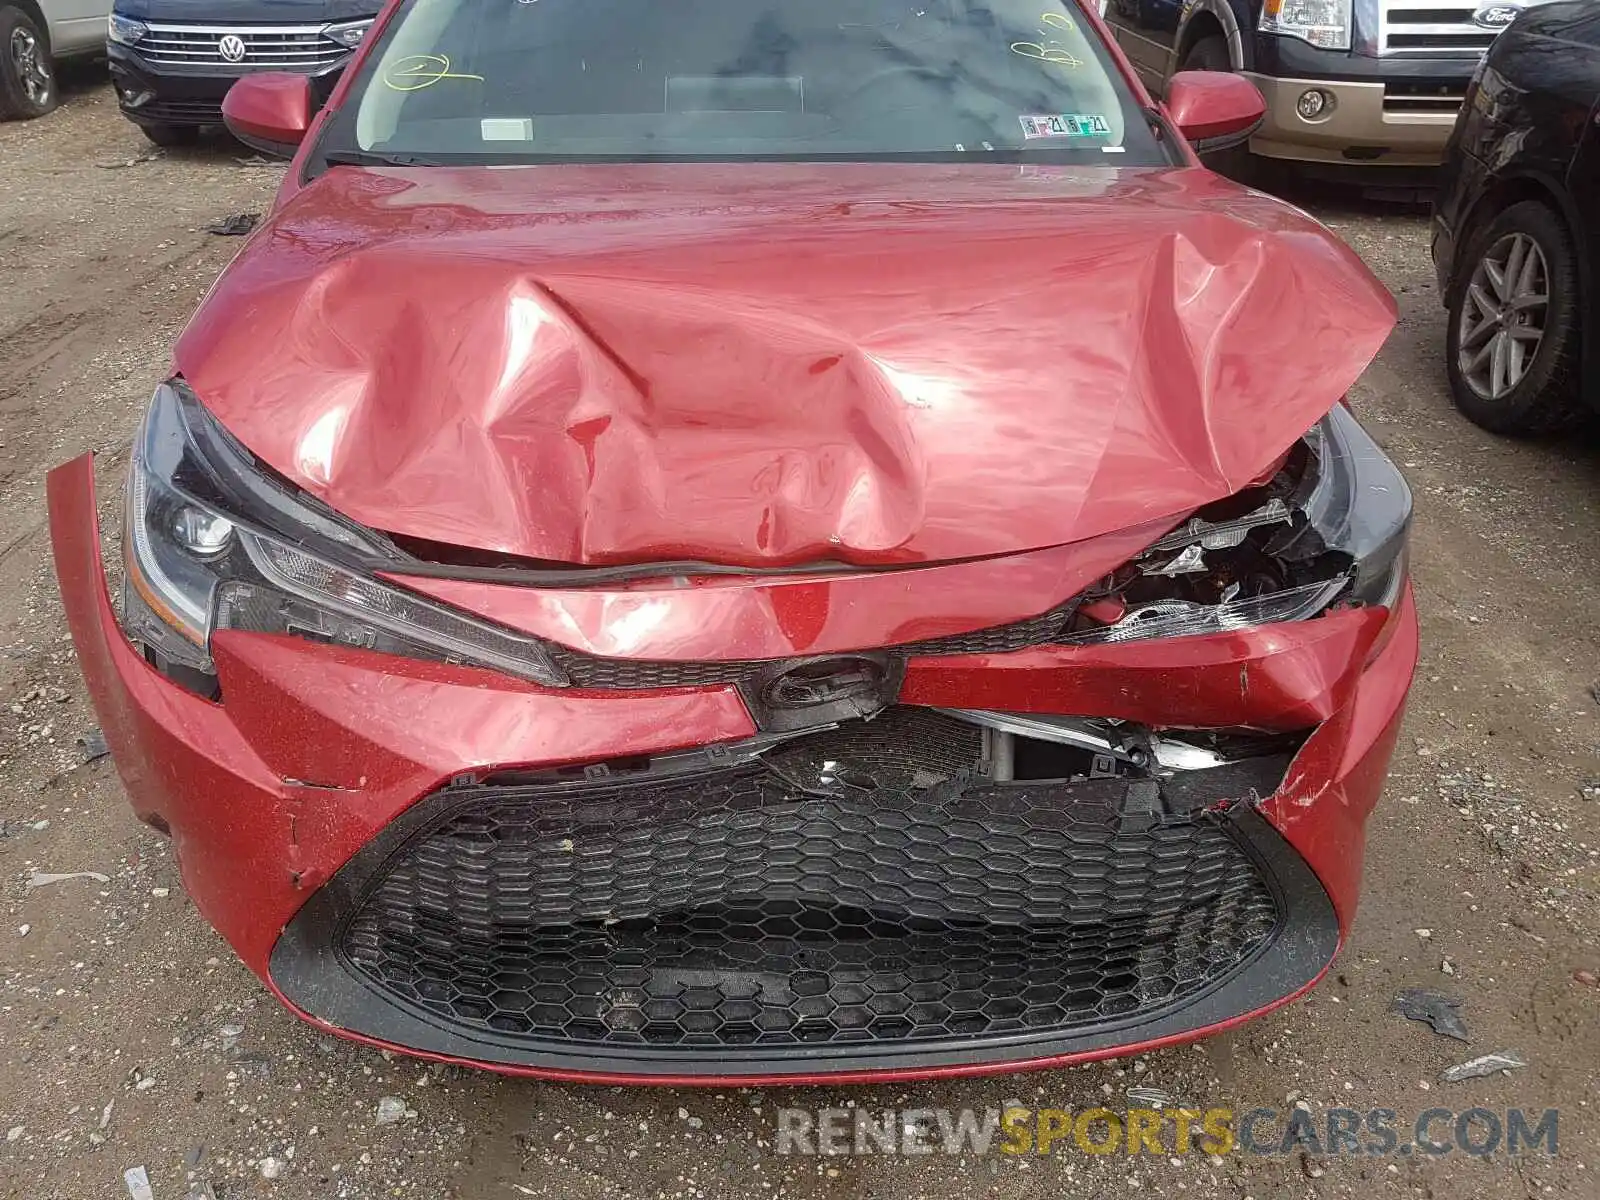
(231, 48)
(1495, 16)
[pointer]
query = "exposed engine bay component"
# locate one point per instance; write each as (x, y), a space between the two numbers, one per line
(1330, 527)
(1172, 755)
(1197, 535)
(907, 747)
(1117, 747)
(1197, 532)
(1069, 731)
(1190, 561)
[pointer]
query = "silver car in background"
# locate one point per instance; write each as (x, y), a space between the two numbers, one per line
(34, 36)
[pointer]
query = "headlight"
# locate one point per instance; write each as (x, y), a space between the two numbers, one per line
(1358, 509)
(1323, 23)
(125, 31)
(1329, 529)
(348, 33)
(214, 542)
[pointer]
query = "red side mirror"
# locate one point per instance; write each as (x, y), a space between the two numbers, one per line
(270, 111)
(1213, 109)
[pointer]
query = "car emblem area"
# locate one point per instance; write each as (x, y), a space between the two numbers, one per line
(808, 692)
(1495, 16)
(232, 48)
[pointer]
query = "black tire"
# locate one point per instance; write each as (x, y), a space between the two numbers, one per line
(1211, 54)
(1208, 54)
(1545, 400)
(27, 76)
(172, 135)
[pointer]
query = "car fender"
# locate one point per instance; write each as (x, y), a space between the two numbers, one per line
(1192, 26)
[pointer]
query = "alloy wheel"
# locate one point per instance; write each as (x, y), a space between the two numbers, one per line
(32, 72)
(1503, 316)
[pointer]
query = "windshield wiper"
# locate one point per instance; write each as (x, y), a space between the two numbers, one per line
(372, 158)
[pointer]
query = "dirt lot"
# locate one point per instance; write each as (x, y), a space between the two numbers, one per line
(130, 1036)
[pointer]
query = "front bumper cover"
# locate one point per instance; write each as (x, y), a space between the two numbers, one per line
(172, 94)
(320, 754)
(1358, 129)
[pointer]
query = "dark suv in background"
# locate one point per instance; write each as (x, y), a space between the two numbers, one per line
(1374, 82)
(173, 60)
(1516, 232)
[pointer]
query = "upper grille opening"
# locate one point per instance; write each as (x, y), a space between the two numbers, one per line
(1433, 27)
(299, 47)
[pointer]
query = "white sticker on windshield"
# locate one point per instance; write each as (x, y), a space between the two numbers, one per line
(1058, 125)
(507, 129)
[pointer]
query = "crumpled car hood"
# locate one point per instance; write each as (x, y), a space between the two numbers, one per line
(775, 364)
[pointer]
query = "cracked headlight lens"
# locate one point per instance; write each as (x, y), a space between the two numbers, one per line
(1185, 618)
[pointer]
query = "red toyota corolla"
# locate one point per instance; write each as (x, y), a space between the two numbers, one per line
(760, 540)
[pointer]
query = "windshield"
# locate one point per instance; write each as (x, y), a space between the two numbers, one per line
(643, 80)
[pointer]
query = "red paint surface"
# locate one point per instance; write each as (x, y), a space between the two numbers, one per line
(1288, 676)
(377, 733)
(1207, 104)
(721, 617)
(273, 107)
(770, 363)
(252, 844)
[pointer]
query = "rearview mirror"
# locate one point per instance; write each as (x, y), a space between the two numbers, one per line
(1213, 109)
(270, 111)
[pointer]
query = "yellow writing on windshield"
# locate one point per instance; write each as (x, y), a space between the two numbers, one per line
(417, 71)
(1050, 50)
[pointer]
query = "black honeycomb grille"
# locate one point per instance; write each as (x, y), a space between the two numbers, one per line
(640, 674)
(859, 885)
(636, 674)
(1000, 639)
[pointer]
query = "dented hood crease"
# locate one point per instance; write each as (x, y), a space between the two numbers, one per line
(770, 364)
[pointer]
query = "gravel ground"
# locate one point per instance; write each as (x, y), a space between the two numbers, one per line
(129, 1035)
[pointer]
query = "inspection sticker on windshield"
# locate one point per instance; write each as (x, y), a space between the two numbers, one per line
(1058, 125)
(507, 129)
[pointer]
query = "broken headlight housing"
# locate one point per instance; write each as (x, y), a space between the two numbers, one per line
(1329, 528)
(214, 541)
